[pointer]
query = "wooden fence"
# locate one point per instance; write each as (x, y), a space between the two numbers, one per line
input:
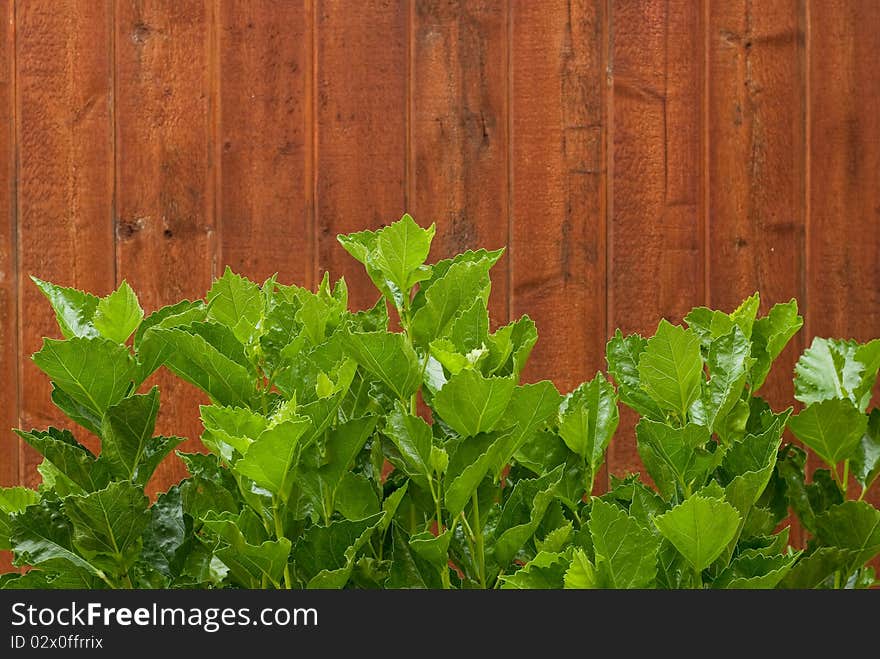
(636, 157)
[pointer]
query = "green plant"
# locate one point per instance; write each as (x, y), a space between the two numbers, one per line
(310, 402)
(709, 444)
(396, 448)
(90, 524)
(835, 379)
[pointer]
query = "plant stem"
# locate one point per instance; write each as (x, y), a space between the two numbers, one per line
(478, 538)
(107, 581)
(279, 533)
(438, 511)
(699, 576)
(845, 482)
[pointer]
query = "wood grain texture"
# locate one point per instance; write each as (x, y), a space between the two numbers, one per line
(843, 266)
(9, 463)
(164, 203)
(458, 131)
(656, 234)
(559, 134)
(264, 197)
(9, 474)
(65, 179)
(638, 158)
(756, 164)
(360, 151)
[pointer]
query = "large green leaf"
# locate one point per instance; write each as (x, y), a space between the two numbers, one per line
(73, 309)
(94, 372)
(623, 354)
(432, 549)
(323, 557)
(510, 346)
(448, 296)
(168, 534)
(625, 552)
(281, 332)
(174, 315)
(581, 574)
(753, 452)
(75, 410)
(588, 417)
(770, 334)
(70, 457)
(531, 407)
(16, 499)
(237, 303)
(442, 267)
(833, 428)
(388, 356)
(156, 450)
(470, 329)
(748, 466)
(229, 429)
(729, 363)
(210, 486)
(700, 528)
(13, 500)
(676, 456)
(754, 570)
(471, 403)
(853, 525)
(401, 250)
(710, 324)
(834, 368)
(362, 245)
(806, 499)
(272, 456)
(413, 439)
(813, 570)
(545, 571)
(522, 513)
(866, 459)
(355, 496)
(322, 476)
(118, 314)
(468, 466)
(671, 368)
(107, 525)
(127, 430)
(249, 563)
(408, 569)
(194, 359)
(41, 535)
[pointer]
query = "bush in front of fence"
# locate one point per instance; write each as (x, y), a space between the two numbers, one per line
(396, 447)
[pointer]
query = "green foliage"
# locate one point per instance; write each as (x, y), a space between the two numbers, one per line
(835, 379)
(396, 447)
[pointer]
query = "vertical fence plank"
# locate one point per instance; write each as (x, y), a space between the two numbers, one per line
(8, 273)
(559, 135)
(843, 268)
(9, 472)
(65, 178)
(656, 234)
(458, 133)
(263, 138)
(361, 128)
(164, 214)
(756, 164)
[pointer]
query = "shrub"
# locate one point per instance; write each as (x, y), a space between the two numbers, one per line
(396, 448)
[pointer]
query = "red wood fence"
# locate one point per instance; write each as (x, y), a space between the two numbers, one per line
(636, 157)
